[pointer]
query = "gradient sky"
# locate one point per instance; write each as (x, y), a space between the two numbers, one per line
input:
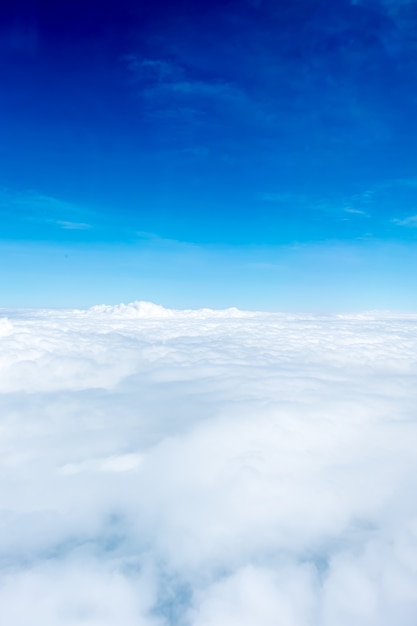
(252, 153)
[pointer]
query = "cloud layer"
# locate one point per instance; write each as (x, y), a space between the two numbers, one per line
(207, 468)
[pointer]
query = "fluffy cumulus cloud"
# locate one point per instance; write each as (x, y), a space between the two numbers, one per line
(207, 468)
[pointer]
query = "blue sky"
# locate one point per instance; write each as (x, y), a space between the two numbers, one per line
(248, 153)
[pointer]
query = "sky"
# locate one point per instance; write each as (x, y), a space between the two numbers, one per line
(251, 153)
(165, 467)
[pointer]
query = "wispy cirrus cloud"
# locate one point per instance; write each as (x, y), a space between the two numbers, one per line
(73, 225)
(410, 221)
(170, 88)
(352, 211)
(37, 207)
(282, 197)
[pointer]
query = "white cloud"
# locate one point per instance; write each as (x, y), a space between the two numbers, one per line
(355, 211)
(207, 468)
(31, 205)
(282, 197)
(410, 221)
(73, 225)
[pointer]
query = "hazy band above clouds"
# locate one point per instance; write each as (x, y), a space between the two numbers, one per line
(207, 468)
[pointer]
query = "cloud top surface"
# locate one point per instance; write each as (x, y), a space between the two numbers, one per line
(207, 468)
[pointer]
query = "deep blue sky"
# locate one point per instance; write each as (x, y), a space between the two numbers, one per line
(257, 153)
